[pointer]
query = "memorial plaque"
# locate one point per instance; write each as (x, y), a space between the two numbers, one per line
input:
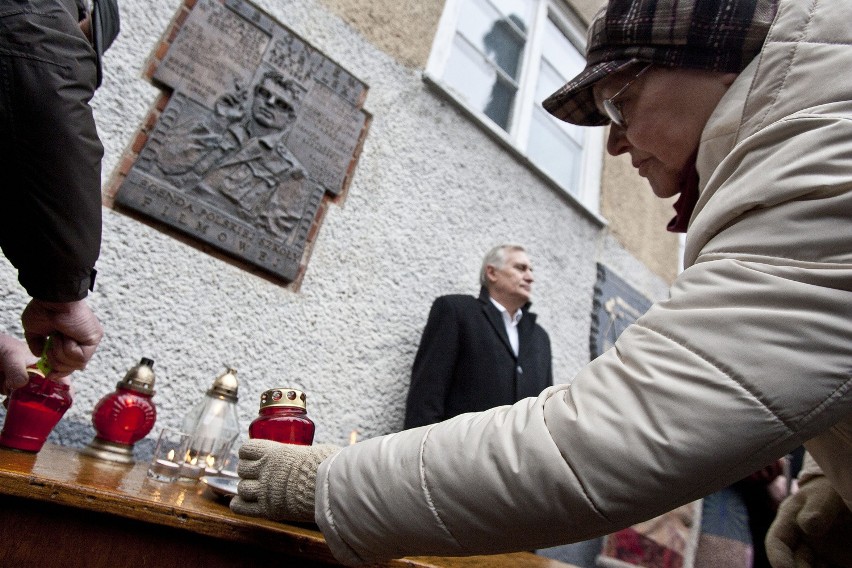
(258, 128)
(616, 305)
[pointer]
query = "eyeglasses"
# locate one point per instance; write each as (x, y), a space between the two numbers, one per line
(612, 110)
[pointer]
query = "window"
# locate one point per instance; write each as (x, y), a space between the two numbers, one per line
(499, 59)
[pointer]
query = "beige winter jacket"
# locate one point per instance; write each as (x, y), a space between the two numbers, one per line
(750, 357)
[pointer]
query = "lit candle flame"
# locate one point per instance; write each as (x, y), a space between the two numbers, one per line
(353, 437)
(171, 455)
(211, 461)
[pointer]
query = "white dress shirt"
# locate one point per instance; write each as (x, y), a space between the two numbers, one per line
(511, 323)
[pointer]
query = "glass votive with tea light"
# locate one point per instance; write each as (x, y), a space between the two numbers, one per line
(168, 455)
(204, 456)
(191, 468)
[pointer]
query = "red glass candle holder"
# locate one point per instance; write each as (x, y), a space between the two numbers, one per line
(33, 412)
(283, 417)
(125, 416)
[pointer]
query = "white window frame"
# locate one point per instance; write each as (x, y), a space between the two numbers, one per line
(587, 194)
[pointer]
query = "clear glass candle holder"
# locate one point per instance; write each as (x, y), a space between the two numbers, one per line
(168, 455)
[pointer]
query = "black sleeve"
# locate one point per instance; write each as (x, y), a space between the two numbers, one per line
(51, 227)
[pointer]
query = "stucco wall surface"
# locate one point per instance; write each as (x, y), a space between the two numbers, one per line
(430, 195)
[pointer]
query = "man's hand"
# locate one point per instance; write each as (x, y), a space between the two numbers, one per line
(75, 330)
(812, 529)
(14, 358)
(279, 480)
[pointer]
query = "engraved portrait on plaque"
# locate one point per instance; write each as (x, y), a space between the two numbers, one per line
(259, 126)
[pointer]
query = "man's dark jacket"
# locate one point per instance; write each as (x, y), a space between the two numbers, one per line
(51, 216)
(465, 362)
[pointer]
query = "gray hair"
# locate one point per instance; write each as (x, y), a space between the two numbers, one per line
(496, 257)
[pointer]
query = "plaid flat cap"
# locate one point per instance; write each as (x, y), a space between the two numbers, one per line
(718, 35)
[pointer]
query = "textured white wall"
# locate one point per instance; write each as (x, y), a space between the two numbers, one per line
(430, 195)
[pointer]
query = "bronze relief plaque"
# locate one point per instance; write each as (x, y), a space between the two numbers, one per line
(259, 127)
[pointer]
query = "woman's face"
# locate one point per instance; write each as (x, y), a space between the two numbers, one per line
(664, 111)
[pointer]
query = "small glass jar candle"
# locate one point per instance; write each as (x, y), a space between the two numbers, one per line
(283, 417)
(33, 411)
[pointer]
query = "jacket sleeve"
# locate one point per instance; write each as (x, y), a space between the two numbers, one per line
(747, 360)
(51, 228)
(432, 371)
(661, 419)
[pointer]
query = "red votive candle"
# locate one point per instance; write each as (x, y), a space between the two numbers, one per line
(33, 411)
(283, 417)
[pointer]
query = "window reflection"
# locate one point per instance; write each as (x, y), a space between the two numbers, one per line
(504, 57)
(504, 45)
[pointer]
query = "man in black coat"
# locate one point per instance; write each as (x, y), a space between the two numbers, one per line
(478, 353)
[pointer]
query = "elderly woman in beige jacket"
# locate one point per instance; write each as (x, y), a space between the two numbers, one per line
(742, 107)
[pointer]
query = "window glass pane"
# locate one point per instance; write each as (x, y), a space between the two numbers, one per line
(548, 82)
(561, 53)
(551, 149)
(469, 75)
(500, 37)
(476, 18)
(499, 107)
(555, 146)
(504, 46)
(521, 11)
(474, 80)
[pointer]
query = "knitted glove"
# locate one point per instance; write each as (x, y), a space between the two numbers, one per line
(278, 480)
(812, 529)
